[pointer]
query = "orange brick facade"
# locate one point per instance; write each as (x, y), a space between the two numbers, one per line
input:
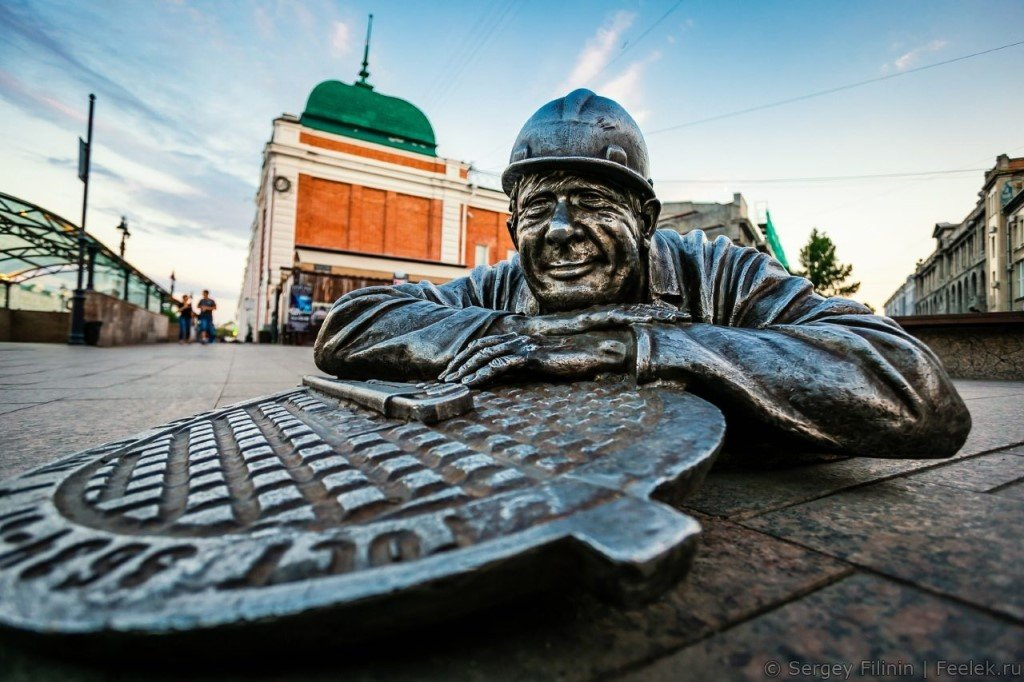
(486, 228)
(337, 215)
(376, 154)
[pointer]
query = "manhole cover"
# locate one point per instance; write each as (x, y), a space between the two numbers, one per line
(306, 509)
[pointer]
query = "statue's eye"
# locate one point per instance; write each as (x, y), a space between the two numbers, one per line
(591, 200)
(537, 206)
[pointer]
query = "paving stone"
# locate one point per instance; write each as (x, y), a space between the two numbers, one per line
(971, 389)
(980, 474)
(863, 622)
(960, 543)
(1013, 491)
(43, 433)
(998, 422)
(742, 493)
(6, 406)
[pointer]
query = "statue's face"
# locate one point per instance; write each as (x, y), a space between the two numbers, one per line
(580, 242)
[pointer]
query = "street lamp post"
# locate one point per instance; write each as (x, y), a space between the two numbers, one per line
(124, 234)
(77, 336)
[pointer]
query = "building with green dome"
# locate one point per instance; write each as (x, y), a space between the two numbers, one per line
(357, 111)
(352, 193)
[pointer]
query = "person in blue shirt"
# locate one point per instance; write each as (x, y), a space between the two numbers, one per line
(205, 330)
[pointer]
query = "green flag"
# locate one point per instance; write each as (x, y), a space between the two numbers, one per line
(773, 241)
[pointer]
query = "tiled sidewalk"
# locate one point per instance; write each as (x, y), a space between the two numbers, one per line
(855, 569)
(57, 399)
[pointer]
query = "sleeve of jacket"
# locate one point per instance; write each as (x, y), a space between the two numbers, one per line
(410, 330)
(797, 367)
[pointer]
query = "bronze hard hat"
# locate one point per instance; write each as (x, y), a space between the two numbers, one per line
(582, 131)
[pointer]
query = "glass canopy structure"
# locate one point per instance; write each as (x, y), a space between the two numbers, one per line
(38, 244)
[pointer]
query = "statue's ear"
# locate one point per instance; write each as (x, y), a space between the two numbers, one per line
(512, 217)
(511, 225)
(649, 213)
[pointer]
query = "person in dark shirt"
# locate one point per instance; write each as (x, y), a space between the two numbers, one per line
(185, 314)
(206, 307)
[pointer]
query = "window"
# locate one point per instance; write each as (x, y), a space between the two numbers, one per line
(482, 255)
(1020, 279)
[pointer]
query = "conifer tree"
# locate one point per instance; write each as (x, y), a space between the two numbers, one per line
(820, 265)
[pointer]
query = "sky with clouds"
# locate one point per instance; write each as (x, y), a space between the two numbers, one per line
(186, 93)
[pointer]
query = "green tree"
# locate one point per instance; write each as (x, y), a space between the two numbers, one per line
(820, 265)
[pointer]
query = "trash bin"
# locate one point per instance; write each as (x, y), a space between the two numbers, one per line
(92, 332)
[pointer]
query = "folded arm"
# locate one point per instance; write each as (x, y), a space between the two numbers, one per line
(410, 331)
(787, 364)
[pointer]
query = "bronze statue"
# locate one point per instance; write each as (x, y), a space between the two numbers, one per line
(596, 289)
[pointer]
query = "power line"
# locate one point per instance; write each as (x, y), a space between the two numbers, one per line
(829, 91)
(625, 48)
(631, 44)
(467, 60)
(824, 178)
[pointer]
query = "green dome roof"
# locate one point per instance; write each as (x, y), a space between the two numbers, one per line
(357, 111)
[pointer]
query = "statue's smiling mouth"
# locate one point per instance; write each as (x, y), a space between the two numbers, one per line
(571, 269)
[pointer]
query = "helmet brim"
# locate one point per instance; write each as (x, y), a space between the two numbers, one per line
(610, 170)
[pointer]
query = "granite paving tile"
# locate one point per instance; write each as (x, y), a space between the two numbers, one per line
(956, 542)
(740, 491)
(862, 627)
(738, 494)
(45, 432)
(24, 394)
(6, 406)
(970, 389)
(980, 474)
(998, 422)
(1013, 491)
(198, 387)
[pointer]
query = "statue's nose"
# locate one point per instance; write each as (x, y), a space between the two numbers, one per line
(560, 230)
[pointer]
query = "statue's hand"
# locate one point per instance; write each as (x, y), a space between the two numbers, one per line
(579, 356)
(596, 318)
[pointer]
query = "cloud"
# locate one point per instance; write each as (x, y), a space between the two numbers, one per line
(908, 59)
(625, 87)
(598, 51)
(340, 38)
(264, 24)
(33, 32)
(67, 163)
(601, 51)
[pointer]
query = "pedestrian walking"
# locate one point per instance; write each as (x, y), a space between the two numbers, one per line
(206, 307)
(185, 314)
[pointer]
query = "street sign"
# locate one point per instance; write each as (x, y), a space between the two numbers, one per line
(83, 160)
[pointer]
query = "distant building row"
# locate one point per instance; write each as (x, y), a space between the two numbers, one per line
(978, 264)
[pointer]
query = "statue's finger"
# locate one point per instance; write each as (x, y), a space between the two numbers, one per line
(495, 368)
(484, 356)
(472, 348)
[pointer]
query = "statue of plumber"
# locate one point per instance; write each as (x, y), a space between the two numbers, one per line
(596, 289)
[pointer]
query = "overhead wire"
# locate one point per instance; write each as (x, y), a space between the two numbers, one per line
(822, 178)
(630, 44)
(455, 56)
(498, 23)
(830, 91)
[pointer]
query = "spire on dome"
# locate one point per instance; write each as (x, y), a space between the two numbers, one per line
(365, 73)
